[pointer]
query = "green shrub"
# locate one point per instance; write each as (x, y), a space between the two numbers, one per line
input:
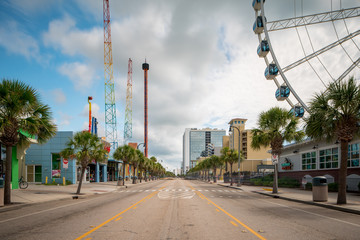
(288, 182)
(333, 187)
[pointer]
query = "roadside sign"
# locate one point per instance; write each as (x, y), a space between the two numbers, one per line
(275, 158)
(65, 163)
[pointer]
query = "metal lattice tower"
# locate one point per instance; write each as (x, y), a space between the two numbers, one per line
(128, 110)
(110, 108)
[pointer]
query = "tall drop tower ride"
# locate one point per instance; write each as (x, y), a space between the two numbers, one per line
(145, 67)
(110, 108)
(128, 110)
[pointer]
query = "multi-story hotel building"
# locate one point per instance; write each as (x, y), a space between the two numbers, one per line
(252, 158)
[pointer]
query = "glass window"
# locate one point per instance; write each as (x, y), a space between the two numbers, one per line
(56, 165)
(353, 155)
(308, 161)
(329, 158)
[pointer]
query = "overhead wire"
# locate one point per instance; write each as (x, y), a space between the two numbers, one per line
(337, 35)
(302, 46)
(312, 46)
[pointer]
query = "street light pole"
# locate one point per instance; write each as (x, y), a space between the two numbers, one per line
(239, 182)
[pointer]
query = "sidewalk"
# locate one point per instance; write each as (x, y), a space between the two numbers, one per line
(37, 193)
(304, 196)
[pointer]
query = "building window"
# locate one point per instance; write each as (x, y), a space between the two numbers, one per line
(308, 160)
(56, 165)
(34, 173)
(353, 155)
(329, 158)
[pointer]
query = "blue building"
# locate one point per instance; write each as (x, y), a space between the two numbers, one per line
(43, 160)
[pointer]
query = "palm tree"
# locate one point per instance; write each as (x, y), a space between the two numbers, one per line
(135, 162)
(141, 163)
(84, 147)
(21, 110)
(230, 156)
(335, 115)
(126, 154)
(274, 127)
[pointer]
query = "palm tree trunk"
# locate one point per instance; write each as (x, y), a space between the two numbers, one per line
(275, 181)
(214, 174)
(341, 199)
(134, 175)
(123, 174)
(221, 168)
(231, 178)
(81, 179)
(7, 192)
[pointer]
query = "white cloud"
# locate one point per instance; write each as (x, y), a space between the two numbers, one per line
(81, 75)
(203, 64)
(65, 36)
(15, 40)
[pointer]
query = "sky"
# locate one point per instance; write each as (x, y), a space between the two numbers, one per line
(204, 69)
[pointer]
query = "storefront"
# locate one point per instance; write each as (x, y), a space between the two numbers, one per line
(309, 159)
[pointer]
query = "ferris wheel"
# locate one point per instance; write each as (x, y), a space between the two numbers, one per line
(343, 50)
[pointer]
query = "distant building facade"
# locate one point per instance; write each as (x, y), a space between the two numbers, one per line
(309, 159)
(253, 159)
(44, 160)
(200, 143)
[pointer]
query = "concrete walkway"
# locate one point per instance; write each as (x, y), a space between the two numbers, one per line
(37, 193)
(304, 196)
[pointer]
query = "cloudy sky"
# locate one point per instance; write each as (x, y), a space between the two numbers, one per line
(204, 69)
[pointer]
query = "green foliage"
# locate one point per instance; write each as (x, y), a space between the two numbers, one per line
(308, 186)
(333, 187)
(268, 182)
(288, 182)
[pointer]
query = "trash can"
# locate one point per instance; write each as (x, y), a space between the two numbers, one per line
(320, 189)
(1, 192)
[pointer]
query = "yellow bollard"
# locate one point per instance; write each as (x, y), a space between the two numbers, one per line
(46, 179)
(64, 181)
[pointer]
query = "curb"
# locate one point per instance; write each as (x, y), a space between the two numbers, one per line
(338, 208)
(74, 196)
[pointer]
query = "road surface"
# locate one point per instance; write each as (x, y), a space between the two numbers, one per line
(177, 209)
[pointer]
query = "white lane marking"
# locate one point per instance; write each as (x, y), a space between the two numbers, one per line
(147, 190)
(47, 210)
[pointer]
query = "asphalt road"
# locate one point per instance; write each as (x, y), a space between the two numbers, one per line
(177, 209)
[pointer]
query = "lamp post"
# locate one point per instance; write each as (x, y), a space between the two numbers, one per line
(239, 183)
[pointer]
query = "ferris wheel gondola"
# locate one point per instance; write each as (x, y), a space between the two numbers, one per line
(275, 72)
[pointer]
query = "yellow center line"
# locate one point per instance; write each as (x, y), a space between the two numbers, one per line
(117, 215)
(233, 223)
(217, 210)
(231, 216)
